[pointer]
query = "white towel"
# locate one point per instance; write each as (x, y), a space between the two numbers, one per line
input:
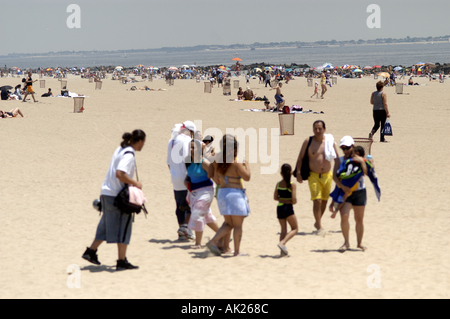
(330, 153)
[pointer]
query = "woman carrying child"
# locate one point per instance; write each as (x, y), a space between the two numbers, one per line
(358, 198)
(285, 194)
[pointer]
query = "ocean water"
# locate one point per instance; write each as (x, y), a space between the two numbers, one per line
(362, 55)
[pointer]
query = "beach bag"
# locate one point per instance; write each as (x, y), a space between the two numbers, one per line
(131, 199)
(387, 129)
(304, 172)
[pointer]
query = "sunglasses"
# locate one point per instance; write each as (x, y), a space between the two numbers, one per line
(345, 148)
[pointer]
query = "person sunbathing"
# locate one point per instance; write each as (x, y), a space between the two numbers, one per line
(12, 113)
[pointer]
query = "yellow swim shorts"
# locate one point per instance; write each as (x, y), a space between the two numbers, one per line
(30, 89)
(320, 185)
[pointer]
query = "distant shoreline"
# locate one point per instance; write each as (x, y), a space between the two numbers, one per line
(210, 48)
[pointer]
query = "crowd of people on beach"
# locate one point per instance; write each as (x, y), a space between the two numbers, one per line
(199, 175)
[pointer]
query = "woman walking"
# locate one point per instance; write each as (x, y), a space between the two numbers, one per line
(115, 226)
(380, 110)
(231, 198)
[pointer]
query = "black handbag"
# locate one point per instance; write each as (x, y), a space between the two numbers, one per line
(304, 172)
(122, 200)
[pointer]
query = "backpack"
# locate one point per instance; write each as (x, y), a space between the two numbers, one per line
(24, 80)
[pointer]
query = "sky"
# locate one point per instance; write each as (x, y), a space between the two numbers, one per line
(40, 26)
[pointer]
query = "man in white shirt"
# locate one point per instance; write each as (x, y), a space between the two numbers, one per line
(178, 149)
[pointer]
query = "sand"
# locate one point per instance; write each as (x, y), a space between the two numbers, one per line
(53, 163)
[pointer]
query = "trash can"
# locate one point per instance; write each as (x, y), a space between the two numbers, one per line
(207, 87)
(42, 83)
(333, 80)
(399, 88)
(98, 85)
(236, 84)
(310, 81)
(375, 76)
(227, 89)
(64, 85)
(286, 124)
(78, 104)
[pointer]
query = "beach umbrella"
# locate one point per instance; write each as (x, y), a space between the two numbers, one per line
(398, 68)
(357, 70)
(318, 68)
(420, 63)
(14, 68)
(367, 68)
(139, 66)
(345, 66)
(188, 71)
(49, 69)
(327, 66)
(377, 67)
(385, 74)
(6, 87)
(118, 67)
(236, 59)
(268, 68)
(173, 68)
(430, 65)
(185, 66)
(257, 69)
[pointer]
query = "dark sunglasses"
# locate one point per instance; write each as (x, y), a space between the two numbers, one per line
(345, 148)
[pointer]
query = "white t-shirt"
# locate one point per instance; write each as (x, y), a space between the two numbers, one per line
(177, 150)
(111, 184)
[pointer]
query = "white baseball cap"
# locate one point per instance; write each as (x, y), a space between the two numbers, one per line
(347, 141)
(190, 126)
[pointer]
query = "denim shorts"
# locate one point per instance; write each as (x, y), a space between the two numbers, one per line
(114, 226)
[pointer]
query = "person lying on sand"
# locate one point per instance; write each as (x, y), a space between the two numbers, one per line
(12, 113)
(145, 88)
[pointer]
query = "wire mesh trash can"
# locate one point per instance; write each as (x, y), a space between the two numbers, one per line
(366, 143)
(98, 85)
(64, 85)
(227, 89)
(286, 124)
(274, 83)
(207, 87)
(42, 83)
(399, 88)
(375, 76)
(235, 84)
(78, 104)
(91, 79)
(333, 80)
(310, 81)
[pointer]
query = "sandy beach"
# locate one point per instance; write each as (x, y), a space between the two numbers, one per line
(54, 160)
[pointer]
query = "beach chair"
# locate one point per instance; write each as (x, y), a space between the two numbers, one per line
(227, 89)
(98, 85)
(286, 124)
(208, 87)
(63, 85)
(366, 143)
(78, 104)
(42, 83)
(310, 81)
(235, 84)
(399, 88)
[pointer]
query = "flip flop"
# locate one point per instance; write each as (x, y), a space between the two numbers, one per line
(343, 248)
(213, 249)
(283, 249)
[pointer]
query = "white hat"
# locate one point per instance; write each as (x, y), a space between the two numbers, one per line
(347, 141)
(190, 126)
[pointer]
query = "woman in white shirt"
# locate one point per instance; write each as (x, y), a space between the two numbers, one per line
(115, 226)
